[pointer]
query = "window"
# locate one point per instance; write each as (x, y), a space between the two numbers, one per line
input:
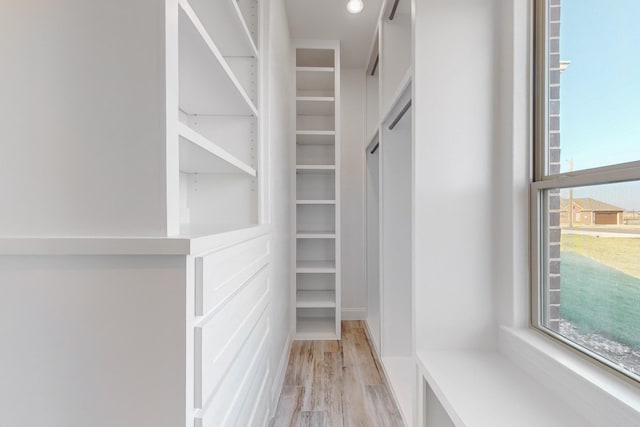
(586, 189)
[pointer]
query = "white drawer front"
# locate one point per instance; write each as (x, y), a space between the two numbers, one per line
(220, 274)
(227, 341)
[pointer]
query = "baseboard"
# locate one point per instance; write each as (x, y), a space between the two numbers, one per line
(354, 313)
(278, 380)
(374, 345)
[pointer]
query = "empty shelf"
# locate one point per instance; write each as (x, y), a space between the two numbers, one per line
(316, 328)
(315, 105)
(315, 299)
(316, 267)
(316, 235)
(200, 155)
(316, 69)
(225, 24)
(315, 168)
(311, 81)
(317, 137)
(315, 202)
(207, 83)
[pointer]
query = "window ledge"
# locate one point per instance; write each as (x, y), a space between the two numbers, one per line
(602, 396)
(487, 389)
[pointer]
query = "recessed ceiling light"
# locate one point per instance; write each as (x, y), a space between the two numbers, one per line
(355, 6)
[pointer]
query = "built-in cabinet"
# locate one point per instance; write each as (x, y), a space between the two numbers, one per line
(168, 325)
(218, 125)
(389, 192)
(316, 185)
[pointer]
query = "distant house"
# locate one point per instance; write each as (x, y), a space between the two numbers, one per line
(588, 211)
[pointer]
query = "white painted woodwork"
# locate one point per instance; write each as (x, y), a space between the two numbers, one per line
(208, 86)
(222, 18)
(395, 242)
(237, 135)
(312, 299)
(315, 202)
(372, 105)
(328, 266)
(374, 291)
(222, 340)
(315, 82)
(315, 219)
(277, 211)
(96, 340)
(395, 53)
(199, 155)
(460, 381)
(315, 105)
(219, 275)
(138, 315)
(317, 153)
(401, 374)
(315, 282)
(316, 182)
(389, 202)
(352, 190)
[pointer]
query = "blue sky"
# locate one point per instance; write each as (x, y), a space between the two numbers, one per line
(600, 90)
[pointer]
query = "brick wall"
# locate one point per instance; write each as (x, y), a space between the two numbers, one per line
(553, 267)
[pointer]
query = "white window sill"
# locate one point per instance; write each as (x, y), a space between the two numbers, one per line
(486, 389)
(602, 396)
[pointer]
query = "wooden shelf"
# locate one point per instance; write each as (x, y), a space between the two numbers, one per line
(316, 328)
(315, 202)
(315, 267)
(315, 105)
(226, 25)
(200, 155)
(315, 299)
(208, 86)
(315, 235)
(317, 137)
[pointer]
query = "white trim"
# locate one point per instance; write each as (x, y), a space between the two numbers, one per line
(281, 372)
(603, 397)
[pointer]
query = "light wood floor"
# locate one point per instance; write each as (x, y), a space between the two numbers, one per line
(336, 384)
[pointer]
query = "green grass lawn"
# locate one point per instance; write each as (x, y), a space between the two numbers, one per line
(618, 252)
(596, 298)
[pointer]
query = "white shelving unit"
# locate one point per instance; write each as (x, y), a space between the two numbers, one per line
(218, 115)
(316, 289)
(389, 200)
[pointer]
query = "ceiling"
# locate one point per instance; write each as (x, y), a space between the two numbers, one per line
(329, 20)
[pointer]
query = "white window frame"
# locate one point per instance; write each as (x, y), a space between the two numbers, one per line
(542, 181)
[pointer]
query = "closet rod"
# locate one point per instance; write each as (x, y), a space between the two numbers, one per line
(393, 10)
(400, 115)
(375, 65)
(375, 148)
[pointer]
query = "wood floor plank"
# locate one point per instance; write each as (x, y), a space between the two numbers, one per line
(357, 354)
(381, 406)
(336, 384)
(289, 405)
(354, 404)
(312, 419)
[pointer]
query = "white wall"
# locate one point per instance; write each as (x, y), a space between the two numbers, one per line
(278, 116)
(457, 147)
(94, 341)
(82, 114)
(352, 188)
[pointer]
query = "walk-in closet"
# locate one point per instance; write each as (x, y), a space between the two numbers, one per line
(274, 213)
